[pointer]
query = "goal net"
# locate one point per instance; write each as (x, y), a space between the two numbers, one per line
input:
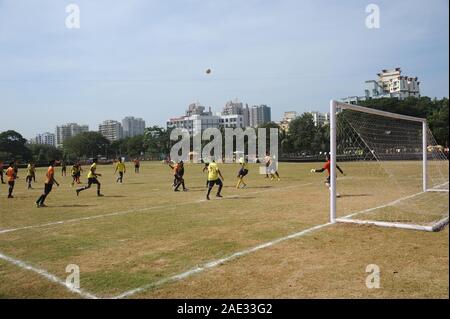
(395, 173)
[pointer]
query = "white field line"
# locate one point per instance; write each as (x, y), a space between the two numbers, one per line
(139, 210)
(47, 275)
(85, 294)
(195, 270)
(387, 204)
(381, 206)
(218, 262)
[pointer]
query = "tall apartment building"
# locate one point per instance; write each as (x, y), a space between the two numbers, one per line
(63, 132)
(320, 119)
(287, 119)
(133, 126)
(259, 114)
(196, 120)
(234, 115)
(111, 129)
(44, 139)
(390, 84)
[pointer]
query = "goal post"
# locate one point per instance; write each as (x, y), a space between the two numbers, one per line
(397, 174)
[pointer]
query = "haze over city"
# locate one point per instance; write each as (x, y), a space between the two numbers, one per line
(148, 58)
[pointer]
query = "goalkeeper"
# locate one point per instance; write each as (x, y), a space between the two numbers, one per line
(327, 168)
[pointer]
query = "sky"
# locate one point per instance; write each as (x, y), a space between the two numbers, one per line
(148, 58)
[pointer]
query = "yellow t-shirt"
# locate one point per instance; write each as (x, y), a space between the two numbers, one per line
(30, 170)
(120, 166)
(213, 172)
(91, 173)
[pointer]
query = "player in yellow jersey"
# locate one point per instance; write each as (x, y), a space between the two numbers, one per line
(243, 171)
(74, 173)
(31, 174)
(214, 178)
(92, 179)
(120, 166)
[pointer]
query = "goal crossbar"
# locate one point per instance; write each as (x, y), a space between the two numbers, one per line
(346, 106)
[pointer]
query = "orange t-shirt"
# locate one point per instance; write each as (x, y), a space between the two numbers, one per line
(327, 166)
(11, 174)
(49, 175)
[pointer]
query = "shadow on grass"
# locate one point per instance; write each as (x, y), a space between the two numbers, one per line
(72, 206)
(355, 195)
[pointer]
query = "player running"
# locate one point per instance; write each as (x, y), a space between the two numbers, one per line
(120, 166)
(11, 175)
(31, 174)
(243, 171)
(213, 179)
(92, 179)
(74, 173)
(178, 179)
(49, 181)
(328, 169)
(272, 168)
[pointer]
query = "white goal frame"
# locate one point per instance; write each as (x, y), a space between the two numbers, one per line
(334, 105)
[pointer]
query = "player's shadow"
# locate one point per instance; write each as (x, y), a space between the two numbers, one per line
(114, 196)
(238, 197)
(355, 195)
(73, 206)
(259, 187)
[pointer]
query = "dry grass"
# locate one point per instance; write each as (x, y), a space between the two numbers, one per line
(162, 233)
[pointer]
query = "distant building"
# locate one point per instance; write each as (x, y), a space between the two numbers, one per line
(259, 114)
(320, 119)
(233, 115)
(286, 120)
(390, 84)
(133, 126)
(111, 129)
(44, 139)
(235, 112)
(196, 120)
(63, 132)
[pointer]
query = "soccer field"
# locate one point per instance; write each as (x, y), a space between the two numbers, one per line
(272, 239)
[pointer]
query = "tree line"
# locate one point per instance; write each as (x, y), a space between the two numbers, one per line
(303, 137)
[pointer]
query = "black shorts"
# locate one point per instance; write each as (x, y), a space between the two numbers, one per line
(215, 182)
(243, 172)
(93, 180)
(11, 184)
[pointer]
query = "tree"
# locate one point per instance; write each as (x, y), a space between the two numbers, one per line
(86, 145)
(13, 146)
(156, 141)
(45, 153)
(434, 110)
(302, 135)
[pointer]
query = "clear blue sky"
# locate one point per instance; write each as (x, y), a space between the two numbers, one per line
(147, 58)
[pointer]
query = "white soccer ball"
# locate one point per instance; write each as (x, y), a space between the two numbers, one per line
(313, 170)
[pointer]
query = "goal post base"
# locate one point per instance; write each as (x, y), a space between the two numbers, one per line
(432, 228)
